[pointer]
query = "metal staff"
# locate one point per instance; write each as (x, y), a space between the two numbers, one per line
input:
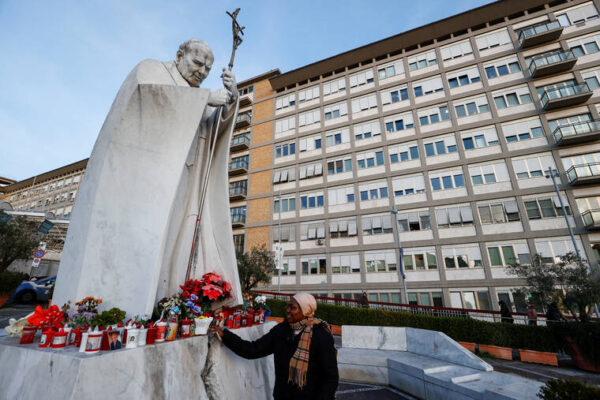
(237, 40)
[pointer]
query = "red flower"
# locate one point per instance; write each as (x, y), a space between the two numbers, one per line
(212, 292)
(185, 294)
(211, 277)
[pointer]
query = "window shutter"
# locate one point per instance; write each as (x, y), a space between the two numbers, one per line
(387, 222)
(386, 97)
(454, 215)
(291, 174)
(376, 221)
(511, 207)
(466, 214)
(276, 176)
(312, 233)
(413, 217)
(302, 172)
(321, 232)
(366, 222)
(351, 228)
(333, 226)
(318, 169)
(441, 216)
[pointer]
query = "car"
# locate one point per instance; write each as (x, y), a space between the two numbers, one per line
(30, 291)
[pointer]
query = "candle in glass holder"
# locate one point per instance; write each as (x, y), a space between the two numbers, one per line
(28, 334)
(161, 331)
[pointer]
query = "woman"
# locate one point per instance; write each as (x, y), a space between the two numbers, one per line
(505, 313)
(303, 349)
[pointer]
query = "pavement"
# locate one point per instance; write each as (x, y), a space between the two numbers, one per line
(16, 311)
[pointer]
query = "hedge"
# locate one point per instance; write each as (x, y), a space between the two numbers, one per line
(559, 389)
(539, 338)
(9, 281)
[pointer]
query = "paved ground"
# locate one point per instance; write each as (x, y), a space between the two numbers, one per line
(16, 311)
(354, 391)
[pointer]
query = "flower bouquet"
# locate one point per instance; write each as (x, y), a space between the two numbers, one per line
(200, 295)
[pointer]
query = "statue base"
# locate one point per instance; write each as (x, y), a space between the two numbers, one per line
(197, 367)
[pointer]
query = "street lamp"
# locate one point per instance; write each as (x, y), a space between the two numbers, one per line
(401, 274)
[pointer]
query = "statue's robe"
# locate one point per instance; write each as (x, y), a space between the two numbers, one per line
(133, 223)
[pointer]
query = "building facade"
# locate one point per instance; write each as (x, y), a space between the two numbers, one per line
(456, 125)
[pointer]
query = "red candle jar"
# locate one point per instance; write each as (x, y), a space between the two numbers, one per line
(75, 337)
(237, 321)
(105, 343)
(28, 334)
(244, 320)
(59, 339)
(94, 340)
(151, 335)
(186, 328)
(161, 331)
(230, 323)
(250, 318)
(257, 318)
(46, 339)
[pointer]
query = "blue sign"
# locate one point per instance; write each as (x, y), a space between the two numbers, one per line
(39, 253)
(45, 226)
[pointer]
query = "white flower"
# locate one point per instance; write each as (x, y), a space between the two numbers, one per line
(260, 299)
(15, 327)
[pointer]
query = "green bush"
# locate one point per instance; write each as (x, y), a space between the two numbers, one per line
(559, 389)
(9, 281)
(109, 317)
(539, 338)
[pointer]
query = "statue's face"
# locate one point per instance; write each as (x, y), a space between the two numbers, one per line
(194, 64)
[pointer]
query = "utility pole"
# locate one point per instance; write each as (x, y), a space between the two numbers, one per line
(401, 274)
(279, 254)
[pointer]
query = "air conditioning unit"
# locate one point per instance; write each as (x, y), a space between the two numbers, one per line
(319, 242)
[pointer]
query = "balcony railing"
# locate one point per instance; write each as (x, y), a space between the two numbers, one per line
(551, 63)
(238, 192)
(591, 219)
(539, 33)
(243, 120)
(238, 167)
(577, 133)
(564, 96)
(246, 99)
(238, 219)
(584, 173)
(240, 142)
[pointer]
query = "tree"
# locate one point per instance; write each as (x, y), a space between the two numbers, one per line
(17, 240)
(255, 267)
(569, 281)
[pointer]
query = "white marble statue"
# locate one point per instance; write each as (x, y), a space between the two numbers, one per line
(132, 228)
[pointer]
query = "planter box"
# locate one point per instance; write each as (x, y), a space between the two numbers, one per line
(538, 357)
(468, 345)
(336, 330)
(497, 351)
(275, 319)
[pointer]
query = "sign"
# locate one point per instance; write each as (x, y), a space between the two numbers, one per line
(278, 255)
(45, 227)
(36, 262)
(39, 253)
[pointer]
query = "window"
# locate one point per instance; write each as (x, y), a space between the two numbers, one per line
(461, 256)
(419, 259)
(428, 86)
(400, 122)
(246, 90)
(376, 224)
(286, 101)
(238, 214)
(338, 136)
(403, 152)
(479, 138)
(309, 117)
(498, 212)
(341, 228)
(239, 162)
(503, 254)
(312, 231)
(287, 204)
(288, 266)
(456, 50)
(577, 15)
(308, 94)
(285, 124)
(367, 130)
(373, 191)
(364, 103)
(493, 39)
(408, 185)
(410, 221)
(288, 233)
(422, 60)
(446, 180)
(345, 263)
(394, 95)
(512, 97)
(380, 261)
(488, 173)
(340, 195)
(433, 115)
(584, 45)
(284, 150)
(390, 69)
(284, 175)
(336, 110)
(557, 90)
(523, 129)
(339, 165)
(463, 77)
(361, 78)
(426, 299)
(551, 249)
(587, 163)
(68, 181)
(68, 212)
(452, 217)
(238, 243)
(369, 159)
(546, 207)
(532, 167)
(76, 178)
(310, 143)
(314, 264)
(234, 188)
(502, 67)
(334, 86)
(567, 121)
(471, 106)
(311, 200)
(471, 300)
(440, 145)
(592, 78)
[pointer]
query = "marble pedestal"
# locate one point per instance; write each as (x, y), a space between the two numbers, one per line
(194, 368)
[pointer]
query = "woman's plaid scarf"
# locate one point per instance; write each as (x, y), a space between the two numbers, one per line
(299, 361)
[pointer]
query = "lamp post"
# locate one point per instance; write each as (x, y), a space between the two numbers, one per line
(279, 252)
(401, 274)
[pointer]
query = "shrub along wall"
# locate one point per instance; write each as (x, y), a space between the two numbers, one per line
(9, 281)
(539, 338)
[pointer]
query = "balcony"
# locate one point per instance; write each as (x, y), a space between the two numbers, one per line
(577, 133)
(539, 33)
(240, 142)
(583, 174)
(238, 167)
(238, 220)
(591, 219)
(551, 63)
(243, 120)
(246, 99)
(238, 193)
(565, 96)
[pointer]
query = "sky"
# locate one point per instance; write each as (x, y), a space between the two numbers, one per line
(63, 61)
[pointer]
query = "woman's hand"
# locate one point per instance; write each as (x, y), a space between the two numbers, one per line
(217, 330)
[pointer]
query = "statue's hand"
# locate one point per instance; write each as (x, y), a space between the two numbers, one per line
(230, 84)
(219, 98)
